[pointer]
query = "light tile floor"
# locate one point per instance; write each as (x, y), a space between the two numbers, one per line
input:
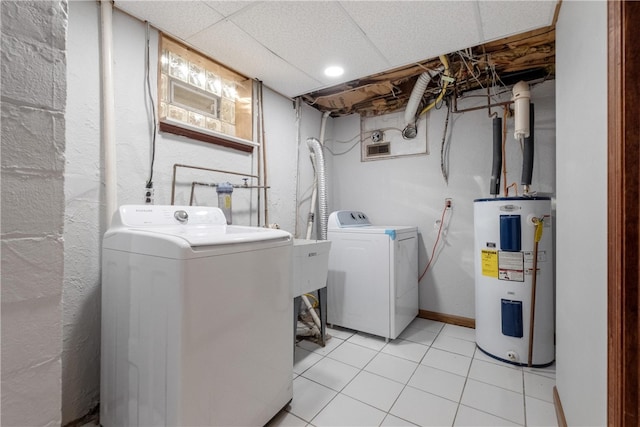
(432, 375)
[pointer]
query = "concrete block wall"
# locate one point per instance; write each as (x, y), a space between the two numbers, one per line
(33, 86)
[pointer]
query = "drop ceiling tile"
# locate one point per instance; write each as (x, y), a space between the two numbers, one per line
(505, 18)
(411, 31)
(246, 56)
(228, 8)
(180, 19)
(312, 35)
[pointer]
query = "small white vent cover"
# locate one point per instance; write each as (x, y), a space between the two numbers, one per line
(381, 137)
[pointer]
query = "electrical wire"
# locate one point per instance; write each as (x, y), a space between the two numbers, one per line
(445, 62)
(342, 152)
(433, 251)
(149, 183)
(470, 69)
(444, 149)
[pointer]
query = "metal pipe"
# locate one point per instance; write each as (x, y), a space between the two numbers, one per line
(537, 235)
(194, 183)
(499, 104)
(264, 155)
(178, 165)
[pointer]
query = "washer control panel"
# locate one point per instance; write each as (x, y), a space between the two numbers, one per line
(352, 219)
(158, 215)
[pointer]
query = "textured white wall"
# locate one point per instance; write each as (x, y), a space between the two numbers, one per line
(412, 191)
(581, 267)
(84, 187)
(34, 92)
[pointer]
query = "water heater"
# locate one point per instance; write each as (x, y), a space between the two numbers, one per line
(514, 279)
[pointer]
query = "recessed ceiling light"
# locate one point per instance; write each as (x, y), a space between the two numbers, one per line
(334, 71)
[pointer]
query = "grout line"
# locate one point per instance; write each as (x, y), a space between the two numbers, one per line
(464, 386)
(418, 364)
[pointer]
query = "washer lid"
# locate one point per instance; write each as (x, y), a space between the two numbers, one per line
(187, 225)
(208, 235)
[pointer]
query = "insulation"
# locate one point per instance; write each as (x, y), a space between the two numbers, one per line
(525, 56)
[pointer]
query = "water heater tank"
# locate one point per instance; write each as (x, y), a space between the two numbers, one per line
(504, 262)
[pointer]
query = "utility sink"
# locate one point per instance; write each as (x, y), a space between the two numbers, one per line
(310, 265)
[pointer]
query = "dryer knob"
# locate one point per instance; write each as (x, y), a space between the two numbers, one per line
(181, 216)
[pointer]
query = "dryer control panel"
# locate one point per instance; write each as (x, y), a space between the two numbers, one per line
(350, 219)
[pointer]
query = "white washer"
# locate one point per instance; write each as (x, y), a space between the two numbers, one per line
(372, 284)
(196, 319)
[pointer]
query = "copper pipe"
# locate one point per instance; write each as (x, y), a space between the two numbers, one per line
(194, 183)
(499, 104)
(177, 165)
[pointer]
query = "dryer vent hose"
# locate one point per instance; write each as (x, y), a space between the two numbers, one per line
(316, 148)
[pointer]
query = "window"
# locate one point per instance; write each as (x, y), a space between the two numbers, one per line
(202, 99)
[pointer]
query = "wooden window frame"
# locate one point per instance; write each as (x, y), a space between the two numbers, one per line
(228, 123)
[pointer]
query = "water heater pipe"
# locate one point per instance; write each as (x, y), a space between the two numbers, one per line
(108, 111)
(521, 97)
(316, 148)
(538, 222)
(527, 155)
(496, 166)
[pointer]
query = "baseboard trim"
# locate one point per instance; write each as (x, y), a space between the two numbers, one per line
(562, 421)
(467, 322)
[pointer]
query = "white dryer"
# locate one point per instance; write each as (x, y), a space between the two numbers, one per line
(196, 319)
(372, 285)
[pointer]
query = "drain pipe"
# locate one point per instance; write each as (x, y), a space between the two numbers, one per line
(527, 156)
(108, 111)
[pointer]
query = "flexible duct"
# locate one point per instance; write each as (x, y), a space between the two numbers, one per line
(527, 155)
(108, 111)
(410, 131)
(497, 156)
(316, 148)
(314, 194)
(416, 97)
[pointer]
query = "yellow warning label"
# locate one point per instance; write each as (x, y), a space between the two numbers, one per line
(490, 263)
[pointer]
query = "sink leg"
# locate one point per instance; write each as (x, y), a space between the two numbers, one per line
(322, 300)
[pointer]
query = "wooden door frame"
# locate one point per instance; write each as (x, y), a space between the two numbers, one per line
(623, 213)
